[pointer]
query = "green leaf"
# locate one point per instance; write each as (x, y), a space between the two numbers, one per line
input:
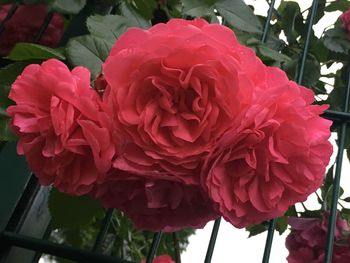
(72, 211)
(341, 5)
(267, 52)
(256, 229)
(235, 12)
(108, 27)
(347, 199)
(5, 133)
(328, 182)
(311, 214)
(329, 195)
(88, 51)
(282, 224)
(68, 6)
(135, 19)
(27, 51)
(290, 18)
(336, 40)
(198, 8)
(239, 15)
(291, 211)
(145, 7)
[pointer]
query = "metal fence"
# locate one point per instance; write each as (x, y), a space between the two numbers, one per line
(22, 198)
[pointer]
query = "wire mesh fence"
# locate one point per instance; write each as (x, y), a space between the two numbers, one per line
(10, 237)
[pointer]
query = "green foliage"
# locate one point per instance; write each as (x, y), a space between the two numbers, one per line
(68, 6)
(236, 13)
(72, 211)
(88, 51)
(341, 5)
(336, 40)
(28, 51)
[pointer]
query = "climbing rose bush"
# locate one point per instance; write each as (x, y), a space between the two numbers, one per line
(306, 242)
(24, 25)
(63, 130)
(193, 106)
(185, 125)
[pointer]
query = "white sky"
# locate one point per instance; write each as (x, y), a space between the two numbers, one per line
(232, 244)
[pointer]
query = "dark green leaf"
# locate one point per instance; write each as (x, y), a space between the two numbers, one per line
(68, 6)
(239, 15)
(347, 199)
(198, 8)
(281, 224)
(269, 53)
(27, 51)
(88, 51)
(290, 17)
(329, 195)
(341, 5)
(256, 229)
(328, 181)
(72, 211)
(134, 18)
(5, 133)
(145, 7)
(291, 211)
(108, 27)
(336, 40)
(311, 214)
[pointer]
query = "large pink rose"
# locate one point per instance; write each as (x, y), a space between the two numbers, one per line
(274, 157)
(156, 204)
(345, 21)
(175, 90)
(63, 130)
(306, 242)
(161, 259)
(24, 25)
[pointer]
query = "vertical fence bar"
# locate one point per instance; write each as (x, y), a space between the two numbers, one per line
(212, 241)
(43, 27)
(272, 223)
(153, 250)
(268, 20)
(269, 239)
(9, 15)
(103, 230)
(311, 18)
(336, 182)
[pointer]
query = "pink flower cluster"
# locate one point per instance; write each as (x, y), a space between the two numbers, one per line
(306, 242)
(161, 259)
(345, 20)
(190, 125)
(24, 25)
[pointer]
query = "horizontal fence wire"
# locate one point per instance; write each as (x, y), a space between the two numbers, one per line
(58, 250)
(89, 256)
(336, 182)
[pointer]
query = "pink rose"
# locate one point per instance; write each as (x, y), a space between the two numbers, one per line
(175, 90)
(161, 259)
(273, 157)
(345, 20)
(63, 130)
(154, 204)
(306, 242)
(24, 25)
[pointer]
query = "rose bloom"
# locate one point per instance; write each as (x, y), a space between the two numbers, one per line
(307, 240)
(274, 156)
(156, 204)
(345, 20)
(161, 259)
(174, 90)
(63, 130)
(24, 25)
